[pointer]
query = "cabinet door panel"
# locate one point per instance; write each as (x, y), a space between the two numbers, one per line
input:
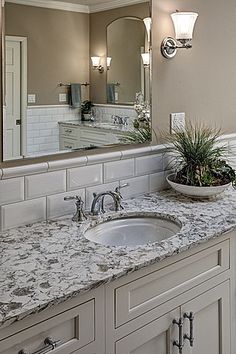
(211, 322)
(155, 338)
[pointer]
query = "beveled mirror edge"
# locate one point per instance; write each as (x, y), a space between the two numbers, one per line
(64, 155)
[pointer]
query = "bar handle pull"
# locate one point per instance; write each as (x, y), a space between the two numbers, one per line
(190, 337)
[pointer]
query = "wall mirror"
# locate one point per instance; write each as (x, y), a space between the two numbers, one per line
(56, 99)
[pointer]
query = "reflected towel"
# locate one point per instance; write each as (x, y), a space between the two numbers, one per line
(75, 95)
(111, 93)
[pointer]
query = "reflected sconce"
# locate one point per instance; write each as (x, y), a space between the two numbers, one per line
(109, 59)
(148, 24)
(96, 62)
(184, 23)
(146, 59)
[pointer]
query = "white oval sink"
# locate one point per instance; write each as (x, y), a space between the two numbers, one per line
(133, 230)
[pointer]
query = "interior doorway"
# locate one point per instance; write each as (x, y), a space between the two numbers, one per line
(16, 97)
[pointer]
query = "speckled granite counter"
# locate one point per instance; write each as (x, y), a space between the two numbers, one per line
(100, 125)
(47, 263)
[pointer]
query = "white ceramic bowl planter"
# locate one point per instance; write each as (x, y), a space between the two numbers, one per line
(196, 192)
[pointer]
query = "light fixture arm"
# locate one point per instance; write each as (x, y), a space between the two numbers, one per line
(169, 46)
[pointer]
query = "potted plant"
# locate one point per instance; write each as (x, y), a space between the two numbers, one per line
(86, 110)
(201, 169)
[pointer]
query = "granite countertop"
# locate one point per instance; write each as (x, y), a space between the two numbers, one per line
(47, 263)
(100, 125)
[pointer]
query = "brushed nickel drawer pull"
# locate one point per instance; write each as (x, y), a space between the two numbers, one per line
(69, 131)
(190, 337)
(179, 343)
(50, 345)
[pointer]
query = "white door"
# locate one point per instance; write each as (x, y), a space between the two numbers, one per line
(211, 323)
(155, 338)
(12, 128)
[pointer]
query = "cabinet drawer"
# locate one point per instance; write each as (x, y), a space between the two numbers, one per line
(94, 135)
(67, 143)
(74, 329)
(143, 294)
(68, 131)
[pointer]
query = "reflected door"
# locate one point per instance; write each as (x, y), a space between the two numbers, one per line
(12, 121)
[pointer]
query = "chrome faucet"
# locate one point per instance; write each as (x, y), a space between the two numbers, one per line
(79, 215)
(120, 120)
(97, 207)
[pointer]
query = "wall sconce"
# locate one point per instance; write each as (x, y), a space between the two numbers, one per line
(109, 59)
(184, 23)
(146, 59)
(96, 64)
(148, 24)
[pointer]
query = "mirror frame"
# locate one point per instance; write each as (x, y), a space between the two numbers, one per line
(59, 155)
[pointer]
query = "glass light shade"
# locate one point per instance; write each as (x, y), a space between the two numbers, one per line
(109, 59)
(95, 61)
(184, 24)
(146, 59)
(148, 24)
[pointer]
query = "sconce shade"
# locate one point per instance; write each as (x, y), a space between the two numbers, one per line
(95, 61)
(109, 59)
(184, 24)
(148, 24)
(146, 59)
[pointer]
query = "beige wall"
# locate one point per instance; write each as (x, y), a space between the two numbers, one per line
(98, 41)
(126, 60)
(201, 81)
(58, 48)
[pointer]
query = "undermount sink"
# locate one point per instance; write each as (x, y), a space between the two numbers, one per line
(134, 230)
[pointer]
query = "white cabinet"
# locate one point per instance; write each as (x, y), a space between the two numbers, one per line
(183, 305)
(154, 338)
(77, 137)
(211, 322)
(202, 326)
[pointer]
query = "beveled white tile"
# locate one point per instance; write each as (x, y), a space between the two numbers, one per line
(19, 171)
(69, 163)
(45, 184)
(110, 156)
(99, 189)
(11, 190)
(127, 154)
(148, 164)
(137, 186)
(158, 182)
(23, 213)
(57, 206)
(84, 176)
(114, 171)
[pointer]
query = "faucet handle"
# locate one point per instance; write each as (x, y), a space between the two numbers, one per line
(117, 190)
(80, 214)
(78, 200)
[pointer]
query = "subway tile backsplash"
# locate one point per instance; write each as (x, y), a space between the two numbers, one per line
(36, 192)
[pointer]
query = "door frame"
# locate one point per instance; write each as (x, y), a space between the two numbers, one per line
(24, 78)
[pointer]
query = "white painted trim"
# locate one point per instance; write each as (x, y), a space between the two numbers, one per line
(23, 53)
(49, 106)
(114, 4)
(113, 106)
(228, 137)
(26, 170)
(58, 5)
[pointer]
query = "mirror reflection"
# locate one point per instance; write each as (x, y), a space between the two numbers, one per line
(72, 81)
(127, 74)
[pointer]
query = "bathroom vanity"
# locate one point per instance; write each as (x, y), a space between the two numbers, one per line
(175, 296)
(79, 135)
